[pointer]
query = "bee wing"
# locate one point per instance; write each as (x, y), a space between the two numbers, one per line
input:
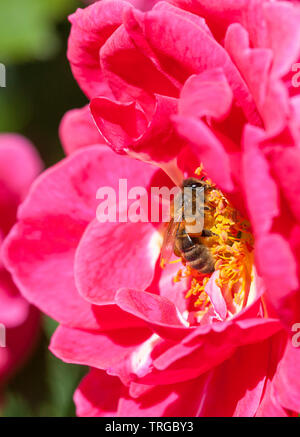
(169, 242)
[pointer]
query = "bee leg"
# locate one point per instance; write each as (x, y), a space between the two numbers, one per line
(207, 233)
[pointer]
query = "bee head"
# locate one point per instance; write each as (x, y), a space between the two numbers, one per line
(193, 183)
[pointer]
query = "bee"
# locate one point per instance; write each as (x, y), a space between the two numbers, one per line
(183, 239)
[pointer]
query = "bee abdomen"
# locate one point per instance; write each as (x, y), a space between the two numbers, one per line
(204, 265)
(199, 258)
(196, 254)
(184, 242)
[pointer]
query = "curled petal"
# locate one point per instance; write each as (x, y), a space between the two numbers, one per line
(206, 94)
(91, 27)
(131, 74)
(269, 93)
(282, 21)
(120, 123)
(126, 128)
(158, 311)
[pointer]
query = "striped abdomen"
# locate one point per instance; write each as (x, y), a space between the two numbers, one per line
(195, 253)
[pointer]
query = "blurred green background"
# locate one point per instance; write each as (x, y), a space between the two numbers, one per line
(39, 90)
(39, 85)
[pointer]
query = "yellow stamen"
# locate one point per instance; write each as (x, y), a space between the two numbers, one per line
(199, 170)
(232, 248)
(175, 261)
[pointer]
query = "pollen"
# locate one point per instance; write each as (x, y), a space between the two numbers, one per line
(232, 248)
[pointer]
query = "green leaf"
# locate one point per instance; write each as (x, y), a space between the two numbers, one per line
(27, 28)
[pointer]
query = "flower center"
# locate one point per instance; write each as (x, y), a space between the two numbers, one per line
(231, 246)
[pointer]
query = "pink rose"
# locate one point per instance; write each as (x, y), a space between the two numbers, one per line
(211, 81)
(177, 86)
(19, 321)
(143, 5)
(121, 313)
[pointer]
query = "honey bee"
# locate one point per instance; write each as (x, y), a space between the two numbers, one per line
(183, 239)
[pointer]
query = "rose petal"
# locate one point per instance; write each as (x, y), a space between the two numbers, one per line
(158, 311)
(91, 27)
(82, 347)
(125, 128)
(188, 48)
(77, 129)
(207, 148)
(120, 124)
(206, 94)
(216, 297)
(128, 259)
(41, 247)
(285, 164)
(282, 20)
(277, 266)
(98, 395)
(238, 397)
(19, 163)
(254, 65)
(263, 204)
(286, 384)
